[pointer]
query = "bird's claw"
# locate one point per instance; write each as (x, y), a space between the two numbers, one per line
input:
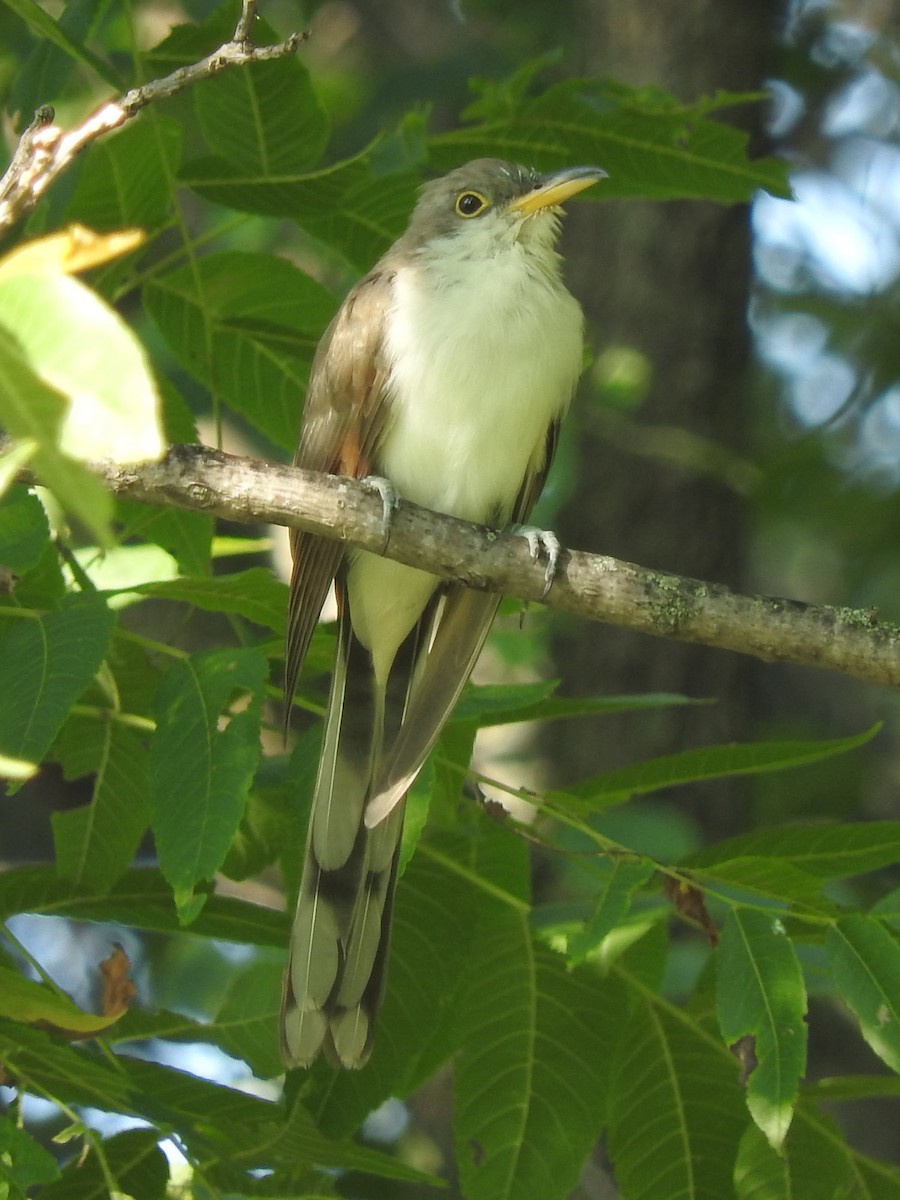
(390, 501)
(542, 541)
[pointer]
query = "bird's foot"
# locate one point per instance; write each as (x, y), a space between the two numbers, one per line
(541, 541)
(390, 501)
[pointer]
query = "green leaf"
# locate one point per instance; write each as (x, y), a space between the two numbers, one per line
(677, 1110)
(142, 899)
(531, 1083)
(23, 1162)
(129, 177)
(760, 995)
(246, 1024)
(812, 1155)
(349, 206)
(770, 877)
(865, 961)
(652, 146)
(45, 664)
(119, 571)
(47, 69)
(827, 851)
(112, 409)
(246, 326)
(264, 118)
(230, 1126)
(42, 1064)
(187, 536)
(34, 1003)
(200, 776)
(96, 843)
(618, 880)
(24, 530)
(33, 411)
(134, 1159)
(255, 594)
(42, 24)
(505, 704)
(14, 458)
(708, 762)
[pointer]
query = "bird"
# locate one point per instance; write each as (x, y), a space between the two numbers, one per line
(443, 377)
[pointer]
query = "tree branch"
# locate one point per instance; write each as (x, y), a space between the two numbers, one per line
(851, 641)
(45, 150)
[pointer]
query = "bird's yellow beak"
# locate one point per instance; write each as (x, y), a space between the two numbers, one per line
(553, 189)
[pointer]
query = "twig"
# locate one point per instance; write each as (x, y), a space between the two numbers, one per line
(45, 150)
(595, 586)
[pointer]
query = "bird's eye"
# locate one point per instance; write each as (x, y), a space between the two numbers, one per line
(470, 204)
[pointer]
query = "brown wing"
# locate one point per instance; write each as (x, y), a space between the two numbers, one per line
(464, 624)
(342, 418)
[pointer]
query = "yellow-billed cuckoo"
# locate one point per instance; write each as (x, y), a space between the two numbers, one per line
(444, 373)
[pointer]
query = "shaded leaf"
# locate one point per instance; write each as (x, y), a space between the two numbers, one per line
(135, 1161)
(677, 1111)
(23, 529)
(504, 704)
(200, 775)
(45, 664)
(96, 843)
(812, 1155)
(652, 145)
(246, 326)
(46, 28)
(349, 206)
(128, 177)
(255, 594)
(265, 118)
(23, 1161)
(531, 1083)
(708, 762)
(143, 899)
(865, 961)
(825, 851)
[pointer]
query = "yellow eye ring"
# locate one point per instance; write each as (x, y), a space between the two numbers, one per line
(470, 204)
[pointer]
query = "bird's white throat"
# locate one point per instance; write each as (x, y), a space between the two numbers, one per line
(485, 352)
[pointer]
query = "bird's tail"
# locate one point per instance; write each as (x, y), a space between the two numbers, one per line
(339, 942)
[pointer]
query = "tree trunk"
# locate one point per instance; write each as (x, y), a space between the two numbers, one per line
(669, 281)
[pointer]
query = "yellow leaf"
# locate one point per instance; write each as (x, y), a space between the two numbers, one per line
(73, 249)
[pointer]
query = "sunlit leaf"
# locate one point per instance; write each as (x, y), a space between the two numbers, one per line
(760, 995)
(32, 411)
(60, 324)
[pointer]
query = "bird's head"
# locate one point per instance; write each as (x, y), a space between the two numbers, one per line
(488, 204)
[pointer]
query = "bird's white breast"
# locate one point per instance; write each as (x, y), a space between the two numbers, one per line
(484, 355)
